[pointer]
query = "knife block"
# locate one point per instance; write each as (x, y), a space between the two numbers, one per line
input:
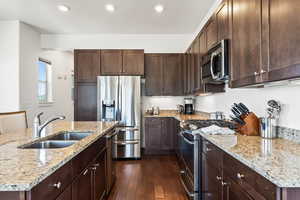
(251, 128)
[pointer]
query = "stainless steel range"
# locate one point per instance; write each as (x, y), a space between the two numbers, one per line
(119, 99)
(190, 147)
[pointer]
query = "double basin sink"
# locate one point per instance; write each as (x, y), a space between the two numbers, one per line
(60, 140)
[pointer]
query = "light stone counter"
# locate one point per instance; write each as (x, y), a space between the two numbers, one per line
(22, 169)
(180, 117)
(277, 160)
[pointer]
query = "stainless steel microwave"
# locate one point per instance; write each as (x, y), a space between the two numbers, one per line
(215, 67)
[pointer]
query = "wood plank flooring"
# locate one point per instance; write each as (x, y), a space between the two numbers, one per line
(152, 178)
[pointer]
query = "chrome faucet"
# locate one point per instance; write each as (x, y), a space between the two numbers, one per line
(38, 127)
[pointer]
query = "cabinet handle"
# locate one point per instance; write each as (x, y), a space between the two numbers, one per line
(240, 176)
(219, 178)
(208, 149)
(57, 185)
(182, 172)
(85, 172)
(224, 183)
(95, 166)
(256, 73)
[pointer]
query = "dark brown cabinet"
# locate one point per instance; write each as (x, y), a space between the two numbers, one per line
(246, 42)
(154, 74)
(163, 73)
(212, 32)
(86, 65)
(99, 183)
(85, 102)
(222, 18)
(133, 62)
(66, 195)
(82, 186)
(281, 30)
(111, 62)
(172, 82)
(159, 135)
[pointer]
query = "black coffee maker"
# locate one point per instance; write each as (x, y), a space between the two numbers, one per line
(189, 106)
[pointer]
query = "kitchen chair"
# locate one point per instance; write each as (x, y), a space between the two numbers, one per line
(11, 121)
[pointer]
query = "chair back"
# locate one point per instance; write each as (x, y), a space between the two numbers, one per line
(12, 121)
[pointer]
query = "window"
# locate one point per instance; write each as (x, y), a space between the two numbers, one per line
(44, 81)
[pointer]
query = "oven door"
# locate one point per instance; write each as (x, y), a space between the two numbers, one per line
(189, 170)
(216, 65)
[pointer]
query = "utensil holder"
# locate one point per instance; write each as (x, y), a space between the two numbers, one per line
(251, 127)
(268, 127)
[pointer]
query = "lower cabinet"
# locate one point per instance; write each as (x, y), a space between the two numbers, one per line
(159, 135)
(81, 187)
(99, 183)
(225, 178)
(66, 195)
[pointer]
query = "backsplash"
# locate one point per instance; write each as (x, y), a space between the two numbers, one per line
(289, 134)
(163, 102)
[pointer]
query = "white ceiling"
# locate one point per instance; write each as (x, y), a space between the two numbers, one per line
(90, 17)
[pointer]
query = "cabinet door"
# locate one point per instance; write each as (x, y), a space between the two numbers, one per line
(133, 62)
(234, 191)
(153, 133)
(86, 65)
(99, 184)
(85, 102)
(284, 40)
(66, 195)
(111, 62)
(154, 74)
(246, 42)
(190, 77)
(197, 69)
(110, 166)
(82, 186)
(172, 82)
(168, 133)
(212, 32)
(211, 181)
(185, 73)
(222, 17)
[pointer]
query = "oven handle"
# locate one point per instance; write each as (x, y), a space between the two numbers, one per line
(190, 194)
(125, 143)
(213, 55)
(186, 140)
(112, 135)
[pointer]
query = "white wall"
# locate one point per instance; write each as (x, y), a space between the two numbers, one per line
(9, 66)
(151, 43)
(256, 100)
(164, 103)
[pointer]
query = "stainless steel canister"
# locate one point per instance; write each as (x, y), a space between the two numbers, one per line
(268, 127)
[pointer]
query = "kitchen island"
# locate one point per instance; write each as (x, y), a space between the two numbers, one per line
(23, 171)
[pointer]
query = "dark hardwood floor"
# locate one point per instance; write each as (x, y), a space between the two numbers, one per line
(153, 177)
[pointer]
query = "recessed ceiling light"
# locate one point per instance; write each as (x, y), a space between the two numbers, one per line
(159, 8)
(110, 7)
(63, 8)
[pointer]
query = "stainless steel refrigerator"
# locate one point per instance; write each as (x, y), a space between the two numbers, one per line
(119, 99)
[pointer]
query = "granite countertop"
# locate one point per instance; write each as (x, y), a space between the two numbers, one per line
(22, 169)
(277, 160)
(180, 117)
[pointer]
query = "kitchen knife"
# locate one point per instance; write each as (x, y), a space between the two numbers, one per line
(237, 120)
(236, 112)
(242, 106)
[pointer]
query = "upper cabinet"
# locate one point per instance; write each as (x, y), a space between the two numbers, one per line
(246, 42)
(222, 18)
(133, 62)
(86, 65)
(163, 75)
(122, 62)
(111, 62)
(212, 32)
(281, 32)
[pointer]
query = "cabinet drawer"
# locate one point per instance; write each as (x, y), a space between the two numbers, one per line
(81, 161)
(249, 180)
(213, 154)
(53, 185)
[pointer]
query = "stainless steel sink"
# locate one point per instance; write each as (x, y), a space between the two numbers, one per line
(70, 136)
(48, 144)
